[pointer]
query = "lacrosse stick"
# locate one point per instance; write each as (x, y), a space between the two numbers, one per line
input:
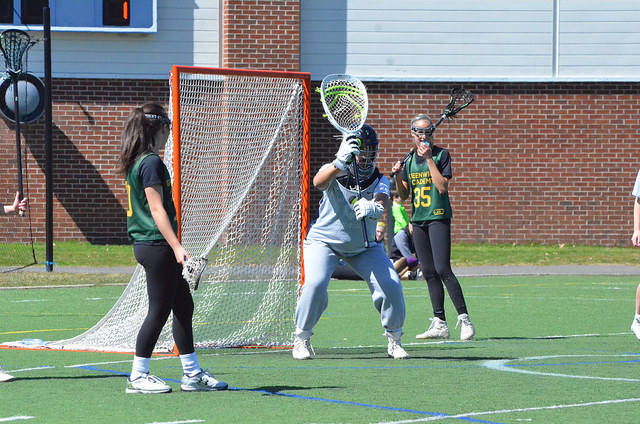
(346, 105)
(192, 271)
(458, 100)
(14, 43)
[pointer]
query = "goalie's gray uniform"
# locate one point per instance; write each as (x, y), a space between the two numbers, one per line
(337, 234)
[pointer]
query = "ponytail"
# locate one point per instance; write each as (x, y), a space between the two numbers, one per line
(138, 136)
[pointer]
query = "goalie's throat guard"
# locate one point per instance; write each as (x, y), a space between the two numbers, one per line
(348, 181)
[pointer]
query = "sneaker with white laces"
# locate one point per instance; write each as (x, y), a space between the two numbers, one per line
(147, 383)
(635, 327)
(467, 331)
(203, 382)
(395, 350)
(4, 377)
(437, 330)
(301, 348)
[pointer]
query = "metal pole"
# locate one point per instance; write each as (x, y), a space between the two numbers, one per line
(16, 110)
(46, 19)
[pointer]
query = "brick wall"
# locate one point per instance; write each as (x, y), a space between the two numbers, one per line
(532, 162)
(259, 34)
(89, 197)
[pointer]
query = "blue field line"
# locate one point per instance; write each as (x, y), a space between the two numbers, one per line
(89, 368)
(365, 405)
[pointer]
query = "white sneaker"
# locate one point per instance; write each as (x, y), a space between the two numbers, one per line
(147, 384)
(635, 327)
(395, 350)
(301, 348)
(437, 330)
(203, 382)
(4, 377)
(467, 331)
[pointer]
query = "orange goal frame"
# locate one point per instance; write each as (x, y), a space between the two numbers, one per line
(304, 77)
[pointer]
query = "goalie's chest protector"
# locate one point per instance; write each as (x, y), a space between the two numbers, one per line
(337, 224)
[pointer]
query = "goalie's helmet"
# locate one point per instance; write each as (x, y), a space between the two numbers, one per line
(368, 150)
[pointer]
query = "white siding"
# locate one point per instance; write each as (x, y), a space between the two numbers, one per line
(492, 40)
(482, 40)
(188, 34)
(417, 39)
(599, 39)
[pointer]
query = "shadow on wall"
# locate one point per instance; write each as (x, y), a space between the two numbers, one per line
(79, 186)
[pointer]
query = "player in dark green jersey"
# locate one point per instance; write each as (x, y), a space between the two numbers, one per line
(152, 226)
(425, 177)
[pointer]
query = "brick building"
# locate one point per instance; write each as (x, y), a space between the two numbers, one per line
(545, 154)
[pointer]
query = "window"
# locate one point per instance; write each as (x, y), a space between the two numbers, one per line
(31, 11)
(115, 13)
(6, 11)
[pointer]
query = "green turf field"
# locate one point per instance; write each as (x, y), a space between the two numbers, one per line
(549, 349)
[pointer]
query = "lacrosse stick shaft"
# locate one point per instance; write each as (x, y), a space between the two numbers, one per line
(442, 118)
(16, 108)
(404, 159)
(364, 224)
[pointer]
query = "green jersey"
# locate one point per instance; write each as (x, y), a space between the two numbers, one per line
(427, 202)
(148, 170)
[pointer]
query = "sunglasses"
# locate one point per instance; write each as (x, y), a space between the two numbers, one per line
(164, 119)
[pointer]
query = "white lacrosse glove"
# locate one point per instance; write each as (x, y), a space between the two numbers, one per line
(349, 147)
(368, 209)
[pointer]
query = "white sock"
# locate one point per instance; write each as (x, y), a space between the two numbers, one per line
(190, 364)
(637, 316)
(140, 367)
(394, 335)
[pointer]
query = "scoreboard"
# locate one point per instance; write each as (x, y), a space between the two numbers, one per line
(81, 15)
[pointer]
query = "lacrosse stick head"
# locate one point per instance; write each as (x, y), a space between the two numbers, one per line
(192, 271)
(458, 100)
(14, 43)
(345, 102)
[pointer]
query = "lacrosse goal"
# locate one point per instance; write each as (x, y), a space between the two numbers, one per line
(239, 158)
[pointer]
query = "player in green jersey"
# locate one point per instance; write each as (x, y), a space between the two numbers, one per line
(425, 176)
(152, 225)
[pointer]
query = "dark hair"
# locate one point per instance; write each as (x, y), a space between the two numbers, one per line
(138, 136)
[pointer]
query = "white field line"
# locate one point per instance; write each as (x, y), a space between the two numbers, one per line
(454, 341)
(508, 411)
(16, 418)
(501, 365)
(44, 367)
(178, 422)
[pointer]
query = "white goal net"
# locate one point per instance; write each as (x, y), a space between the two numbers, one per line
(239, 160)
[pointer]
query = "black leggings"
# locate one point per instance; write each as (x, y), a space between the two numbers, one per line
(168, 292)
(432, 240)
